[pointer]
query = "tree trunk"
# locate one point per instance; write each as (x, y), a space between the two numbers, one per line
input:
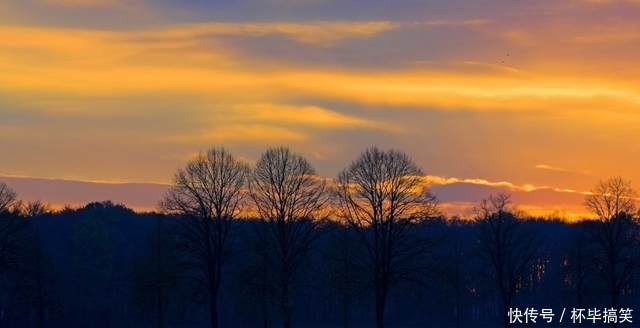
(40, 291)
(213, 297)
(506, 304)
(346, 292)
(613, 281)
(381, 299)
(213, 307)
(160, 319)
(614, 305)
(284, 302)
(345, 311)
(265, 317)
(458, 296)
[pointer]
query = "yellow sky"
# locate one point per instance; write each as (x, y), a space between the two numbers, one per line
(530, 94)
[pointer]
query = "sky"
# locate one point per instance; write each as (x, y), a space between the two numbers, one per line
(108, 98)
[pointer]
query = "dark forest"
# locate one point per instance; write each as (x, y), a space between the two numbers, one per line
(274, 245)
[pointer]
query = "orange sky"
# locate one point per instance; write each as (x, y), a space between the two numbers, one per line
(525, 96)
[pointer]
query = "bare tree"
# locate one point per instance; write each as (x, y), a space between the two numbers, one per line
(456, 269)
(37, 208)
(22, 252)
(8, 197)
(615, 233)
(579, 274)
(611, 198)
(207, 196)
(505, 246)
(345, 275)
(290, 199)
(155, 276)
(255, 278)
(383, 196)
(14, 230)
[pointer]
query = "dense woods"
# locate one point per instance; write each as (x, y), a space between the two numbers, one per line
(277, 245)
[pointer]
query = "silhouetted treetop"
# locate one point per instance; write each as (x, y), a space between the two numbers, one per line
(8, 197)
(610, 198)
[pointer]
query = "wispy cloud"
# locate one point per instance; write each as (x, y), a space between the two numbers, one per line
(323, 33)
(439, 180)
(60, 192)
(450, 22)
(144, 196)
(301, 115)
(83, 3)
(240, 132)
(126, 96)
(108, 62)
(433, 179)
(461, 195)
(560, 169)
(550, 168)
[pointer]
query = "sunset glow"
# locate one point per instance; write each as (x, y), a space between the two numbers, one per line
(537, 98)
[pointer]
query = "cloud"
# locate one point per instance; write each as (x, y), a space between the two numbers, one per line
(575, 33)
(113, 62)
(144, 196)
(434, 81)
(605, 2)
(300, 115)
(459, 196)
(439, 180)
(60, 192)
(83, 3)
(433, 179)
(266, 122)
(240, 132)
(324, 33)
(550, 168)
(449, 22)
(295, 2)
(454, 90)
(560, 169)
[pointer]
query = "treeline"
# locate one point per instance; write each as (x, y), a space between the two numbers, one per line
(276, 245)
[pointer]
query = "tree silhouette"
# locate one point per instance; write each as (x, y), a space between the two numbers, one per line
(344, 271)
(8, 197)
(254, 281)
(289, 198)
(14, 230)
(15, 237)
(578, 270)
(505, 246)
(36, 208)
(93, 267)
(456, 270)
(615, 233)
(38, 285)
(207, 196)
(383, 196)
(157, 276)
